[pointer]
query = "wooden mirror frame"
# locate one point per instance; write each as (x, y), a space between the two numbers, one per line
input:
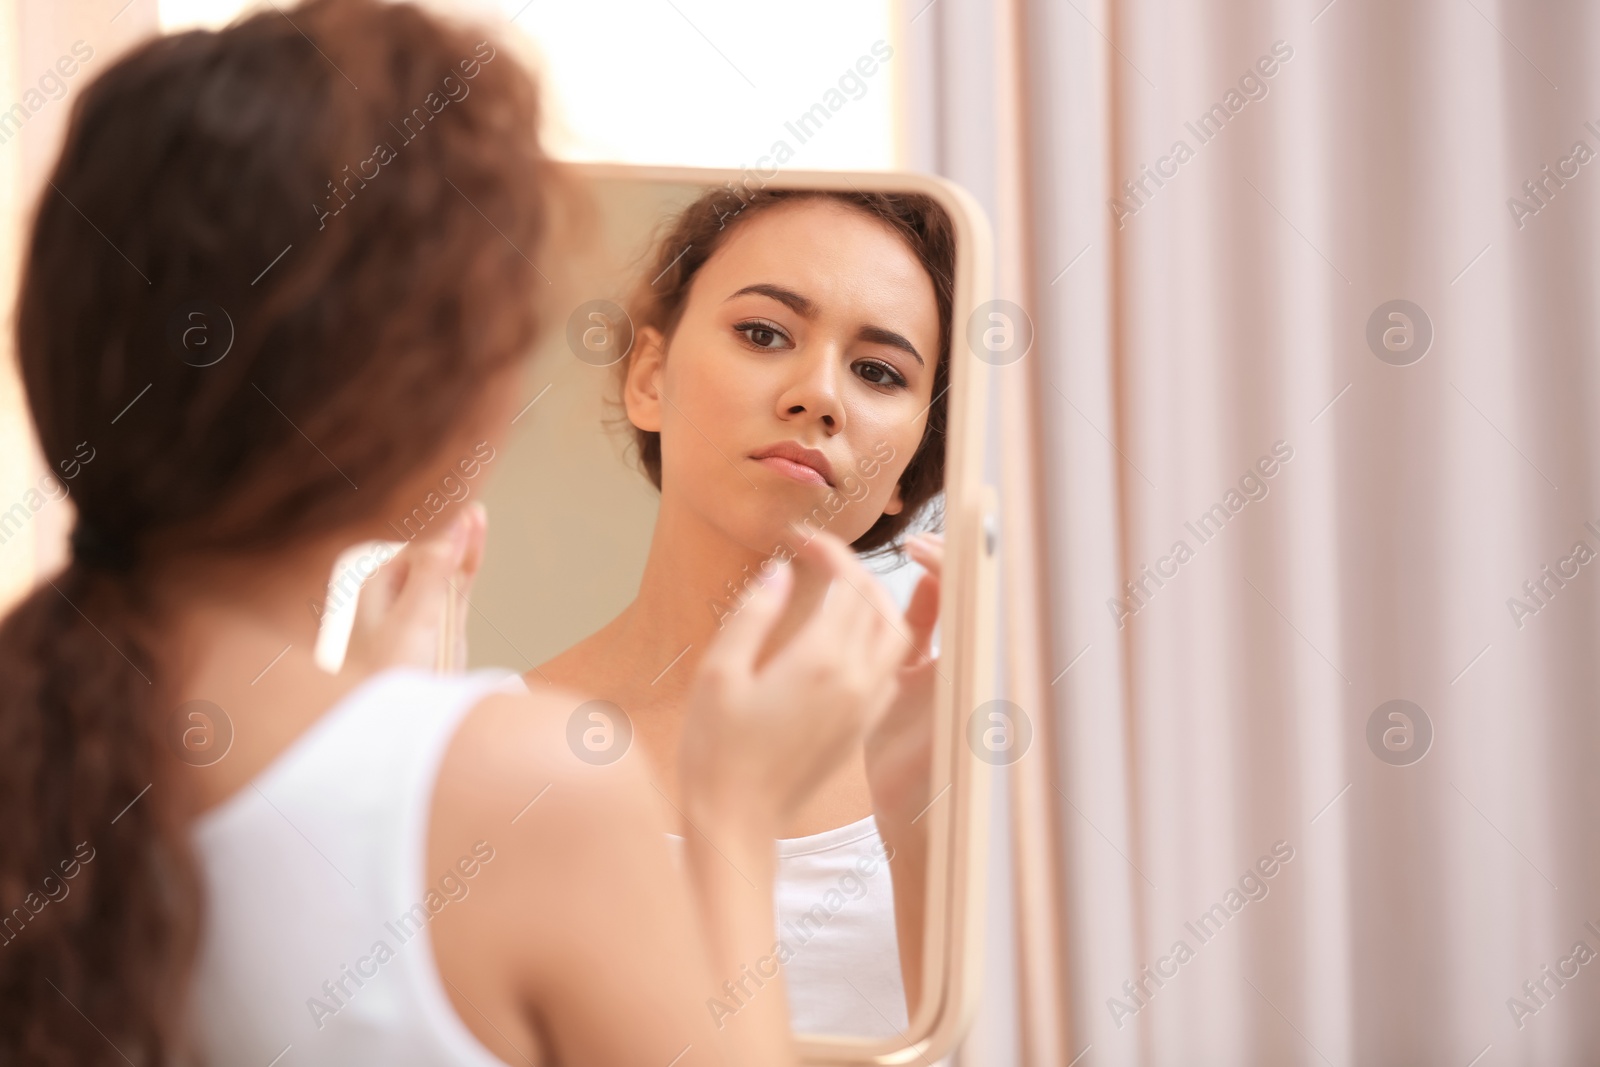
(958, 834)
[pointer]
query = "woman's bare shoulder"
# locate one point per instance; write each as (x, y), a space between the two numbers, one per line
(567, 670)
(509, 737)
(571, 839)
(525, 776)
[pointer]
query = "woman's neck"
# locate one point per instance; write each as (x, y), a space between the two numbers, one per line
(229, 620)
(239, 634)
(695, 577)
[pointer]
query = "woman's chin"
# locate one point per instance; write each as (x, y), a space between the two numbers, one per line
(768, 537)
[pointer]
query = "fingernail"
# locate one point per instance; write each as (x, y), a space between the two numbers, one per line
(801, 533)
(780, 579)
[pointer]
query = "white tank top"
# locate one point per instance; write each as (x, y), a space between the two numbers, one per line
(315, 936)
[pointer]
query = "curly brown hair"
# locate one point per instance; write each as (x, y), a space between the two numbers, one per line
(689, 240)
(370, 300)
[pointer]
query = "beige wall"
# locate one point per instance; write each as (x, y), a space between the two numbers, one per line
(569, 513)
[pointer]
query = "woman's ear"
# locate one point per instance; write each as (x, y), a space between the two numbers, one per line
(895, 505)
(641, 389)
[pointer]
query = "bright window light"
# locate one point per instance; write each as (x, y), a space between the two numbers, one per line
(696, 82)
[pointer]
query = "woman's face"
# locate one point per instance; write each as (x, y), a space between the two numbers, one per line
(798, 381)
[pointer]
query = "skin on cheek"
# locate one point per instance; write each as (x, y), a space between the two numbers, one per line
(873, 494)
(699, 405)
(885, 450)
(717, 409)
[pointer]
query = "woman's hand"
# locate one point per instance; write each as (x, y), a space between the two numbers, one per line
(764, 728)
(899, 748)
(764, 731)
(405, 607)
(899, 756)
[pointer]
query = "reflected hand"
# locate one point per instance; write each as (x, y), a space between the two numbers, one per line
(899, 747)
(899, 756)
(763, 731)
(401, 613)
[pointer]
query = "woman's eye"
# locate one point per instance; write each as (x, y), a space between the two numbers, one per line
(879, 374)
(761, 334)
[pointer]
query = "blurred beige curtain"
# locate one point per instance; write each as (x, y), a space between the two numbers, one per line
(1316, 365)
(1314, 289)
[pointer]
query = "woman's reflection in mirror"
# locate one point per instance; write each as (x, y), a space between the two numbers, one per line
(788, 374)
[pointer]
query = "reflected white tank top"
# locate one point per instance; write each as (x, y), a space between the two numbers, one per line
(836, 913)
(837, 942)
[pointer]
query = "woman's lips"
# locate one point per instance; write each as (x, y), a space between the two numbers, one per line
(790, 469)
(794, 460)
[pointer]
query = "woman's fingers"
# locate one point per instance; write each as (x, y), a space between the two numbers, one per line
(844, 627)
(401, 612)
(761, 739)
(851, 639)
(832, 554)
(857, 633)
(745, 632)
(928, 550)
(476, 516)
(433, 565)
(922, 614)
(378, 593)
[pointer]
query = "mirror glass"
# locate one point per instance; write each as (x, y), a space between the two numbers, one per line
(741, 364)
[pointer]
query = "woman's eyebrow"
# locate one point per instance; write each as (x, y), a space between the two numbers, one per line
(793, 300)
(802, 306)
(879, 336)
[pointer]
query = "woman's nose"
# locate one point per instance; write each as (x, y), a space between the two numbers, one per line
(814, 391)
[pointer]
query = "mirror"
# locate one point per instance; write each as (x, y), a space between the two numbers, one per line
(743, 361)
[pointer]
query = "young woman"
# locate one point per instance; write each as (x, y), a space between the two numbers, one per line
(789, 367)
(280, 284)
